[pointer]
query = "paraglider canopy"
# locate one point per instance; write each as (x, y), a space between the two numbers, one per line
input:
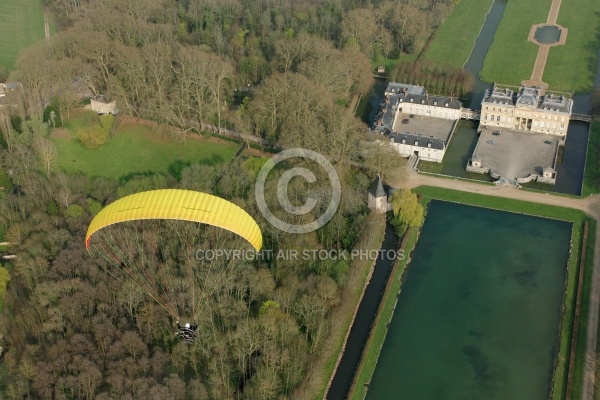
(151, 238)
(185, 205)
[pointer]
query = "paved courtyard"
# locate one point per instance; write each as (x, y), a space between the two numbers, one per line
(516, 154)
(437, 128)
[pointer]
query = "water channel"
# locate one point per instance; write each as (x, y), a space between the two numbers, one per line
(475, 63)
(570, 175)
(359, 332)
(479, 312)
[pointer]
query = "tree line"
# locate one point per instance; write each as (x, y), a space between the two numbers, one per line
(285, 71)
(74, 331)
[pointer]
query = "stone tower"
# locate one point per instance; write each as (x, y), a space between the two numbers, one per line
(378, 200)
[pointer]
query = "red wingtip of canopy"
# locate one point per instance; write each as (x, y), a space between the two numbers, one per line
(87, 242)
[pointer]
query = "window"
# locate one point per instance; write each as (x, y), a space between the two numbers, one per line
(485, 117)
(498, 118)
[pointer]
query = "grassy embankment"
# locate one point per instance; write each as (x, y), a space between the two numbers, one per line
(21, 24)
(453, 43)
(591, 178)
(577, 217)
(511, 57)
(375, 341)
(572, 67)
(361, 269)
(134, 148)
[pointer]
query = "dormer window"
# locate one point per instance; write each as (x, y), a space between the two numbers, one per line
(416, 142)
(422, 101)
(411, 99)
(401, 100)
(403, 141)
(429, 144)
(435, 103)
(447, 105)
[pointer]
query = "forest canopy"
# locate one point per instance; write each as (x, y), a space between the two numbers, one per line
(284, 71)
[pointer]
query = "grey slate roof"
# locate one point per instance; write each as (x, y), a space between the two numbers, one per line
(499, 96)
(556, 103)
(418, 140)
(436, 101)
(528, 96)
(396, 88)
(377, 189)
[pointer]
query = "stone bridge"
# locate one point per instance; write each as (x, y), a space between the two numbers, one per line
(581, 117)
(467, 113)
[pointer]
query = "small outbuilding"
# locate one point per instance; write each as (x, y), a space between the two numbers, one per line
(103, 105)
(378, 197)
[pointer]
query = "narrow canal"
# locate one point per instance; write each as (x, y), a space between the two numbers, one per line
(475, 63)
(359, 332)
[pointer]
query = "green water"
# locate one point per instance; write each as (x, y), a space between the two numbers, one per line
(457, 155)
(479, 312)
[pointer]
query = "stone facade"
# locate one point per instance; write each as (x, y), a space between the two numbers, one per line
(526, 110)
(102, 105)
(403, 100)
(412, 99)
(428, 149)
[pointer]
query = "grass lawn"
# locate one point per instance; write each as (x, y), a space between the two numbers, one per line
(21, 23)
(511, 57)
(577, 217)
(453, 43)
(133, 148)
(572, 67)
(591, 177)
(390, 63)
(585, 304)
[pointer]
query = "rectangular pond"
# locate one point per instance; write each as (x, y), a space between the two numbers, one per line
(480, 308)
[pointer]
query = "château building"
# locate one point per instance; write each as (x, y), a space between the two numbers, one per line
(526, 110)
(416, 137)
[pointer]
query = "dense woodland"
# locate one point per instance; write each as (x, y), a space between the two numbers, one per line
(286, 71)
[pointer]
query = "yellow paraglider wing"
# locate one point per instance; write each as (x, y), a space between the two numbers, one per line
(185, 205)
